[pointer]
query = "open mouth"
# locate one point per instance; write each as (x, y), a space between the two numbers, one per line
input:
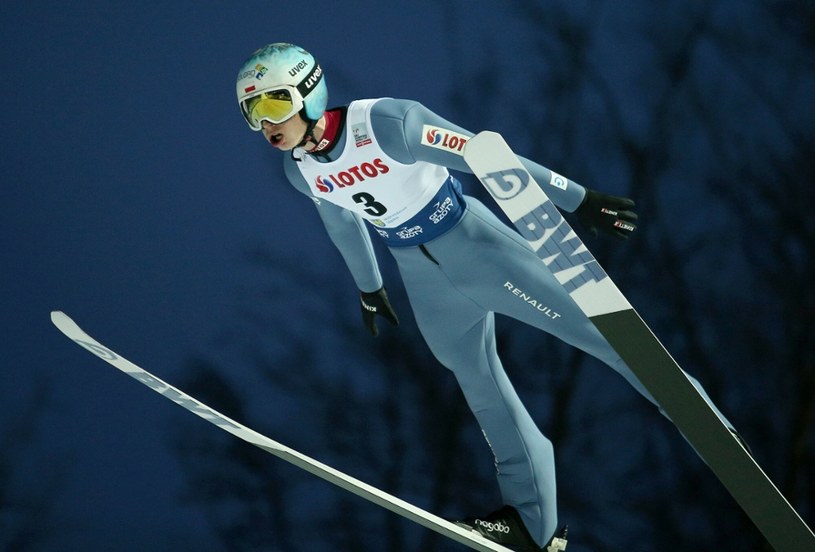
(275, 139)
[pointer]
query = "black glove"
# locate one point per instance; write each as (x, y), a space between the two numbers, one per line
(376, 303)
(608, 214)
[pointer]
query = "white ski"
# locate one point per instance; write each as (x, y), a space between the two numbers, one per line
(538, 220)
(368, 492)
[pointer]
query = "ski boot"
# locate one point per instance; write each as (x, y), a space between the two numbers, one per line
(505, 527)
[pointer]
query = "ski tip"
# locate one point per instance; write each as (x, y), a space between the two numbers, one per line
(486, 135)
(61, 320)
(484, 139)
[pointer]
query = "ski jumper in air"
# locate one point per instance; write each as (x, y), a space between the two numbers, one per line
(379, 167)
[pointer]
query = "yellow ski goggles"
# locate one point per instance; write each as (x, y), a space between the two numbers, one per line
(276, 106)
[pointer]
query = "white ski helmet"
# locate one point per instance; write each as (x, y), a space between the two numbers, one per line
(277, 82)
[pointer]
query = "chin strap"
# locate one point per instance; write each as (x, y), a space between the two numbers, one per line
(299, 151)
(308, 136)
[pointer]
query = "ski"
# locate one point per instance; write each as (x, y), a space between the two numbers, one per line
(542, 225)
(396, 505)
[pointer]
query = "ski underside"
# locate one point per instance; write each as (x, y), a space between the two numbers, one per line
(541, 224)
(459, 534)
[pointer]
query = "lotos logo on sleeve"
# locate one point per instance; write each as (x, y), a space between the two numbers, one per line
(444, 139)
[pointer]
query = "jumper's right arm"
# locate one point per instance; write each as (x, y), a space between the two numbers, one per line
(347, 231)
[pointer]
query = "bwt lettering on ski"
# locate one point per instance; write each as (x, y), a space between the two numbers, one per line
(544, 228)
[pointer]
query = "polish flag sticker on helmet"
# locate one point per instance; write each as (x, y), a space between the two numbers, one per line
(443, 139)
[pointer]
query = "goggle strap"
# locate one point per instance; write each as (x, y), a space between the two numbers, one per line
(310, 81)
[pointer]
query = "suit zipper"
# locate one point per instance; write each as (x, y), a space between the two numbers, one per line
(427, 254)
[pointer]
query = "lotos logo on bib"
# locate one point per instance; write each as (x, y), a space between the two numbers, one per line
(352, 175)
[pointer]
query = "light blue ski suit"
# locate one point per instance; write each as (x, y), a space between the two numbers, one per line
(456, 279)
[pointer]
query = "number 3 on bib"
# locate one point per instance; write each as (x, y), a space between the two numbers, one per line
(372, 207)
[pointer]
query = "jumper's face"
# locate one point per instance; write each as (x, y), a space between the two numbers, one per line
(287, 135)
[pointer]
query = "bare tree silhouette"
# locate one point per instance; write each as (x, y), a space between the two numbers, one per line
(28, 520)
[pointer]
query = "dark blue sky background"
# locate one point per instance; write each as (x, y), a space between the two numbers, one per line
(131, 189)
